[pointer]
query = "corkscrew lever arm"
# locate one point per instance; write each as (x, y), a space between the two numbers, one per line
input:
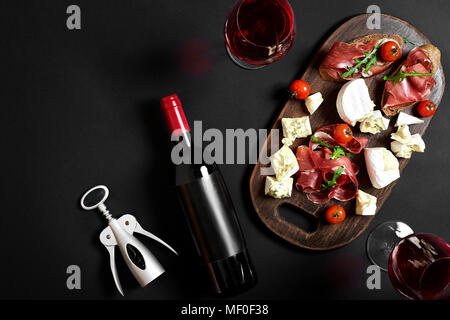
(142, 231)
(112, 263)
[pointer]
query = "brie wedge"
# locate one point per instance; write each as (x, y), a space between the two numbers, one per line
(402, 135)
(353, 102)
(404, 118)
(278, 189)
(366, 204)
(284, 163)
(313, 102)
(382, 166)
(403, 150)
(374, 123)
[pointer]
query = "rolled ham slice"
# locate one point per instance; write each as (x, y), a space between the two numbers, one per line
(316, 165)
(355, 145)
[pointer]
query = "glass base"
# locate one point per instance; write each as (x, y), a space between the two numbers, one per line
(241, 63)
(382, 240)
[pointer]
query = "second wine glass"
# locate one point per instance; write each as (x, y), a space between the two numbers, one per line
(418, 263)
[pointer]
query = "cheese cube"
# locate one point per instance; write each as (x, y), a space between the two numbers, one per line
(284, 163)
(313, 102)
(374, 123)
(366, 204)
(278, 189)
(401, 150)
(382, 166)
(404, 150)
(402, 135)
(294, 128)
(404, 118)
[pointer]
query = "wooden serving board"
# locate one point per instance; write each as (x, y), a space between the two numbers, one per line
(328, 236)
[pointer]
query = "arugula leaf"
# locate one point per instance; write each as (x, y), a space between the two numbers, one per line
(338, 150)
(361, 67)
(409, 41)
(350, 155)
(400, 76)
(372, 62)
(320, 142)
(370, 59)
(330, 184)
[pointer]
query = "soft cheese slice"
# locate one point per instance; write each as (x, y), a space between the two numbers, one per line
(313, 102)
(353, 102)
(366, 204)
(284, 163)
(374, 123)
(402, 150)
(406, 119)
(278, 189)
(403, 135)
(382, 166)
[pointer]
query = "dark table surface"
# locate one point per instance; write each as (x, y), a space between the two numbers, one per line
(80, 108)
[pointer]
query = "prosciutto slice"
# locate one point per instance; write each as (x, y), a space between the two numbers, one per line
(355, 145)
(342, 56)
(410, 89)
(316, 166)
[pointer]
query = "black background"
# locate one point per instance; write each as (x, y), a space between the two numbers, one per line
(80, 108)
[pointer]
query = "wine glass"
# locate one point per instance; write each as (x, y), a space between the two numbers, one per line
(418, 263)
(259, 32)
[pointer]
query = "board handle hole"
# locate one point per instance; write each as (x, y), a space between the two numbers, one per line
(299, 218)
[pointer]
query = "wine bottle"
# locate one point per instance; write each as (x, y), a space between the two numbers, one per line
(210, 212)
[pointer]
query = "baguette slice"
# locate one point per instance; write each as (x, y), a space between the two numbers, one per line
(376, 36)
(434, 54)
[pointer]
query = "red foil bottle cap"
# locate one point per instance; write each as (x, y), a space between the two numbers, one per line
(174, 114)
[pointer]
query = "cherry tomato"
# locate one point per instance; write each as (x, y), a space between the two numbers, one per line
(390, 51)
(342, 134)
(426, 108)
(335, 214)
(299, 89)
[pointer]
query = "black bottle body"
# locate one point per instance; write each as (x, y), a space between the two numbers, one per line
(208, 208)
(215, 227)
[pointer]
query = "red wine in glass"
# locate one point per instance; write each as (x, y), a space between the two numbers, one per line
(259, 32)
(419, 267)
